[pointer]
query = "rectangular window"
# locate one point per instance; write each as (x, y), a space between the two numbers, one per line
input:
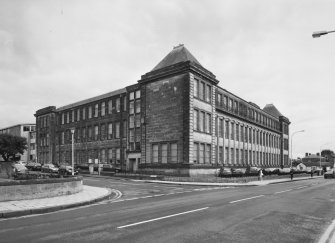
(68, 117)
(230, 104)
(96, 132)
(164, 153)
(78, 115)
(84, 113)
(237, 156)
(250, 135)
(118, 156)
(220, 129)
(201, 121)
(110, 130)
(227, 130)
(96, 110)
(131, 121)
(195, 122)
(208, 123)
(232, 131)
(103, 132)
(201, 153)
(131, 135)
(155, 153)
(103, 108)
(131, 96)
(219, 100)
(89, 132)
(208, 93)
(232, 155)
(202, 91)
(131, 107)
(196, 88)
(138, 120)
(195, 153)
(124, 129)
(220, 155)
(138, 106)
(89, 112)
(63, 118)
(117, 130)
(117, 105)
(237, 132)
(103, 156)
(208, 154)
(226, 155)
(174, 153)
(110, 107)
(138, 94)
(83, 134)
(73, 117)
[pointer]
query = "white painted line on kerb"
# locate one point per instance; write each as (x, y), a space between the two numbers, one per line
(246, 199)
(283, 191)
(328, 235)
(165, 217)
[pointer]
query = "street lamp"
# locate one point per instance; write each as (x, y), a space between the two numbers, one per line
(72, 133)
(317, 34)
(292, 143)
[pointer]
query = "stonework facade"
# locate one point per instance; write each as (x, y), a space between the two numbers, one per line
(175, 120)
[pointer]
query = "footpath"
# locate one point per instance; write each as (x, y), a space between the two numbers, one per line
(91, 195)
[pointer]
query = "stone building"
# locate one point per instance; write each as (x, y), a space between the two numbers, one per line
(26, 130)
(174, 120)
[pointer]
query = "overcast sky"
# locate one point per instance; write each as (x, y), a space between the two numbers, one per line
(59, 52)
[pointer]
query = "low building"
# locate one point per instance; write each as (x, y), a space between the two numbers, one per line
(28, 131)
(175, 120)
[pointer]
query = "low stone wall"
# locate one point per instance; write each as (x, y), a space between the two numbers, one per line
(41, 188)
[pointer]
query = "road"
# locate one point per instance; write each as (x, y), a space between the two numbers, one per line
(288, 212)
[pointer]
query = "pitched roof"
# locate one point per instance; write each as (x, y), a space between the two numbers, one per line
(272, 110)
(178, 54)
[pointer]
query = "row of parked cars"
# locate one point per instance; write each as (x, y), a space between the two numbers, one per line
(254, 171)
(45, 168)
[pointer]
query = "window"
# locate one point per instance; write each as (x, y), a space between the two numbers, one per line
(226, 155)
(201, 121)
(96, 132)
(110, 155)
(195, 152)
(124, 103)
(62, 138)
(208, 123)
(196, 88)
(202, 91)
(232, 155)
(138, 106)
(89, 112)
(117, 105)
(124, 129)
(118, 155)
(174, 153)
(89, 132)
(131, 96)
(220, 129)
(220, 155)
(103, 132)
(138, 120)
(227, 130)
(84, 113)
(232, 131)
(237, 156)
(78, 115)
(219, 99)
(138, 94)
(68, 117)
(73, 120)
(131, 121)
(164, 153)
(103, 156)
(110, 130)
(110, 107)
(230, 104)
(155, 153)
(237, 132)
(208, 93)
(201, 153)
(83, 133)
(96, 110)
(117, 130)
(131, 135)
(208, 154)
(225, 101)
(103, 111)
(131, 107)
(195, 122)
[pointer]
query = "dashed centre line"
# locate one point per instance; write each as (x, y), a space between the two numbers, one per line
(283, 191)
(244, 199)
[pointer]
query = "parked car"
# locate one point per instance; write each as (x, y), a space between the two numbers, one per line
(66, 170)
(253, 171)
(19, 169)
(34, 166)
(225, 172)
(329, 174)
(238, 171)
(49, 168)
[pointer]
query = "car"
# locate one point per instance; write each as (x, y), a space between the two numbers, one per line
(238, 171)
(49, 168)
(66, 170)
(34, 166)
(329, 174)
(224, 172)
(19, 169)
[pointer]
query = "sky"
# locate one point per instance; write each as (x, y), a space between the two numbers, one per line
(57, 52)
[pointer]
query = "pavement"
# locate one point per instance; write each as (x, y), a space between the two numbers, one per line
(91, 195)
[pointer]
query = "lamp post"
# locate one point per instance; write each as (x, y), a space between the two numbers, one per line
(317, 34)
(292, 144)
(72, 134)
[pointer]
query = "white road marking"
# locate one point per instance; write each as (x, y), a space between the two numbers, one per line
(244, 199)
(284, 191)
(301, 187)
(164, 217)
(328, 235)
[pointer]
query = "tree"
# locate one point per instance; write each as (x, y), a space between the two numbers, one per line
(11, 145)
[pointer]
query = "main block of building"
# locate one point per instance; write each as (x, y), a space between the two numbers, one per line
(176, 120)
